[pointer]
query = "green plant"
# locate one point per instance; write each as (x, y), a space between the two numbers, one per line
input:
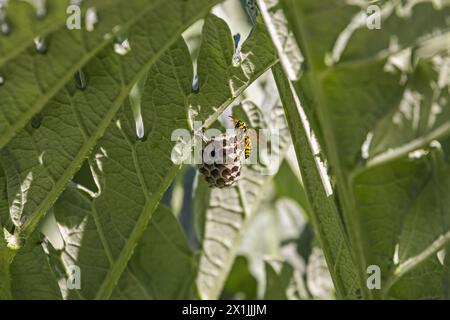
(87, 178)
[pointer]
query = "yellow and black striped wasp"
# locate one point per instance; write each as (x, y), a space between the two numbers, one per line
(241, 125)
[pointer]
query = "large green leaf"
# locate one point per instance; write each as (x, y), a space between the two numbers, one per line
(324, 215)
(414, 227)
(150, 158)
(46, 153)
(422, 115)
(32, 79)
(163, 263)
(24, 25)
(377, 101)
(160, 266)
(133, 173)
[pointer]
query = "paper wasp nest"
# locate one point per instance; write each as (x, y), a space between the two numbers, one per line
(221, 163)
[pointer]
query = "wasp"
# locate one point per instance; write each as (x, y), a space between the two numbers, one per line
(241, 125)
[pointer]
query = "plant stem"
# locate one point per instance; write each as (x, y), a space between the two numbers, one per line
(324, 208)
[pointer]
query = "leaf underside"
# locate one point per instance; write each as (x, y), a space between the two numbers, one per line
(131, 173)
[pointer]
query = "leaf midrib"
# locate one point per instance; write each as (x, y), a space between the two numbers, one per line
(347, 199)
(311, 177)
(121, 262)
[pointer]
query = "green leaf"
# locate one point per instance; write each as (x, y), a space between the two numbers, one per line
(220, 82)
(410, 26)
(132, 174)
(135, 173)
(33, 80)
(46, 158)
(370, 96)
(163, 261)
(162, 256)
(24, 25)
(414, 229)
(31, 276)
(5, 276)
(422, 115)
(148, 159)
